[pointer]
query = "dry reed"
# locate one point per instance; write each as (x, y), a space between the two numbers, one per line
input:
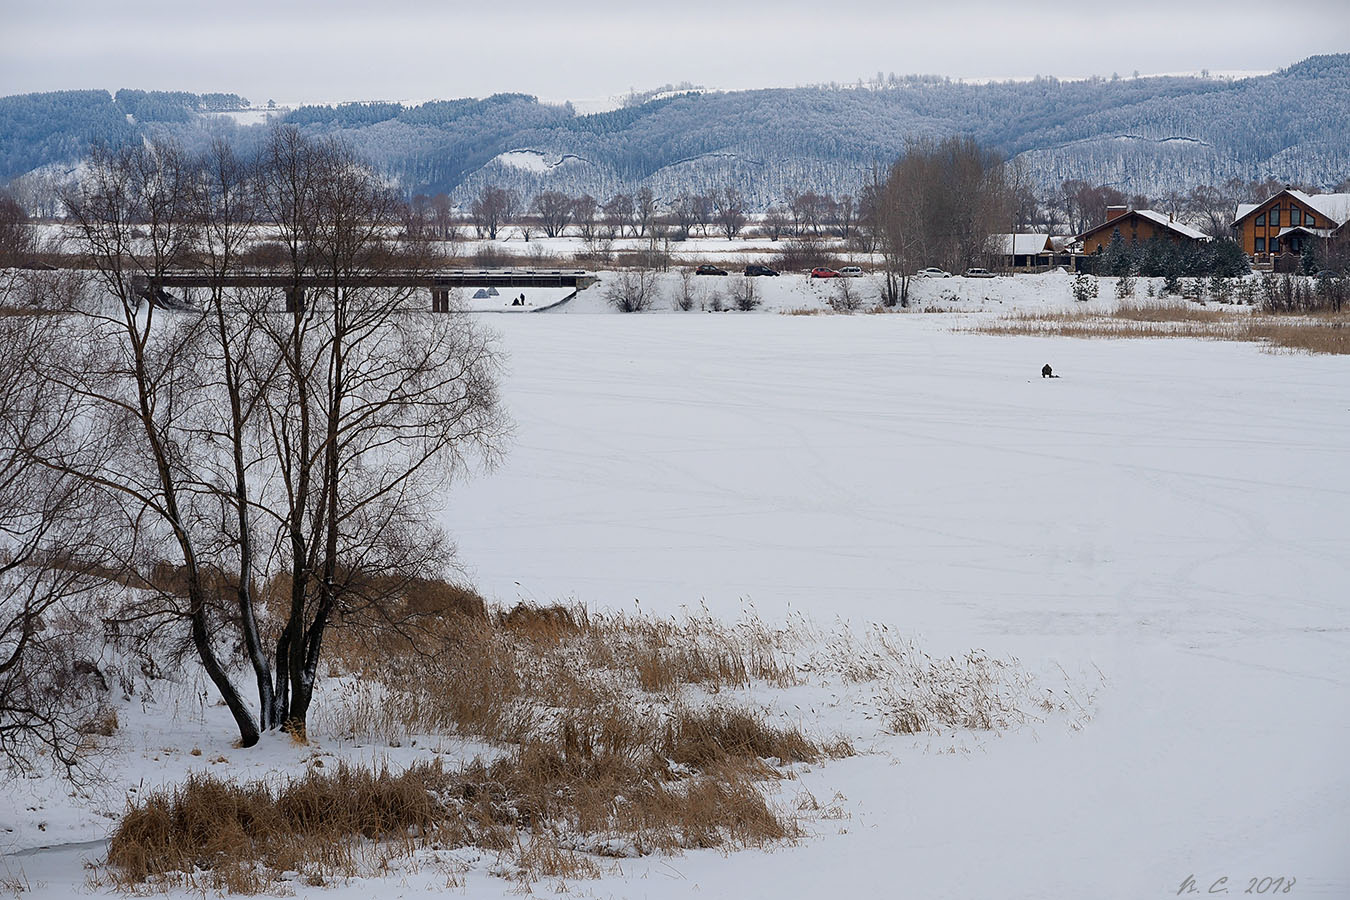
(1308, 333)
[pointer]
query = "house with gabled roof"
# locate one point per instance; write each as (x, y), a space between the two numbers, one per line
(1137, 226)
(1289, 222)
(1023, 250)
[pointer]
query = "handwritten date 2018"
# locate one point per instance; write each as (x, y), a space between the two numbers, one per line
(1221, 885)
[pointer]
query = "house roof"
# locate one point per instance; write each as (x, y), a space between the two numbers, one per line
(1161, 219)
(1021, 244)
(1167, 222)
(1335, 207)
(1303, 229)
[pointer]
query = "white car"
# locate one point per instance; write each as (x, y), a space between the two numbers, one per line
(850, 272)
(979, 273)
(932, 272)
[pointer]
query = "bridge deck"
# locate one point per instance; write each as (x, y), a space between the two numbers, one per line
(576, 278)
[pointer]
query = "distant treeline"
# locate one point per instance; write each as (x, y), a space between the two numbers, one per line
(61, 126)
(1147, 136)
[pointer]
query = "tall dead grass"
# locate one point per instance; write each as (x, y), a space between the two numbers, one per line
(1307, 333)
(602, 754)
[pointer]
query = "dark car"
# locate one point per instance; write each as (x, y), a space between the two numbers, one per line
(759, 270)
(822, 272)
(709, 270)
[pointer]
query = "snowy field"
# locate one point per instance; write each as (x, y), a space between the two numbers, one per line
(1165, 529)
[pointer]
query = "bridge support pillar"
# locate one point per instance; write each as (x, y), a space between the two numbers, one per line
(440, 299)
(295, 299)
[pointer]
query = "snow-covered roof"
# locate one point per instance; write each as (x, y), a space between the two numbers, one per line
(1157, 218)
(1022, 244)
(1167, 222)
(1335, 207)
(1303, 229)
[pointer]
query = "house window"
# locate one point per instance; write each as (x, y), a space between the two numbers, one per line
(1260, 245)
(1295, 216)
(1275, 217)
(1261, 220)
(1274, 245)
(1310, 220)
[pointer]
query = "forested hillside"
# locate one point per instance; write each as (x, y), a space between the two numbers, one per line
(1144, 135)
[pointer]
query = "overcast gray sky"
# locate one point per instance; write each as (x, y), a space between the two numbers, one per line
(592, 49)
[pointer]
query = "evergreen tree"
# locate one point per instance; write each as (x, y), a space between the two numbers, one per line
(1119, 257)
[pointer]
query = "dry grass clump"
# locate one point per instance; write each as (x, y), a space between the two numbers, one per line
(1309, 333)
(226, 836)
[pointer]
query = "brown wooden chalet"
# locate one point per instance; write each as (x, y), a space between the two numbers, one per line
(1136, 226)
(1289, 222)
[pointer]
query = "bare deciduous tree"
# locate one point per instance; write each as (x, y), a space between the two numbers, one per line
(16, 238)
(494, 208)
(584, 209)
(139, 382)
(618, 212)
(555, 211)
(244, 445)
(947, 197)
(644, 210)
(730, 211)
(378, 407)
(49, 694)
(776, 222)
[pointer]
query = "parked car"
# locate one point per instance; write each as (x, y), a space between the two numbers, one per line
(932, 272)
(759, 270)
(850, 272)
(979, 273)
(709, 270)
(822, 272)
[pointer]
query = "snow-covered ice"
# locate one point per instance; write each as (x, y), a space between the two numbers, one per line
(1167, 523)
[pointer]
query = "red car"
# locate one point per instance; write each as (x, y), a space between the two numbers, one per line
(822, 272)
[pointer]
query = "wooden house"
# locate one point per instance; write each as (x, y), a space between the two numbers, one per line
(1287, 223)
(1136, 226)
(1024, 251)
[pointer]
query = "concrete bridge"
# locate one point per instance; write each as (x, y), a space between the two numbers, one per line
(438, 283)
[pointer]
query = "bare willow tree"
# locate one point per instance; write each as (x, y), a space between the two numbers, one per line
(47, 698)
(134, 367)
(377, 407)
(292, 445)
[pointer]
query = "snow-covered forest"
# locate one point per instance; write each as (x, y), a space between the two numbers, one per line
(1148, 136)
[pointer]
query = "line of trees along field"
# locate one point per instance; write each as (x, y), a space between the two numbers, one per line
(257, 476)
